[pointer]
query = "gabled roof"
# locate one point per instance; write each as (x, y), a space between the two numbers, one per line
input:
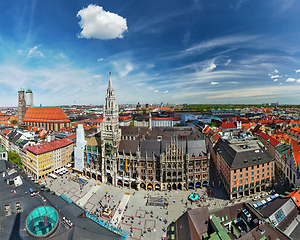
(269, 138)
(50, 146)
(45, 113)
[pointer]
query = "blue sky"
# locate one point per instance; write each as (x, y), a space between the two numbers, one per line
(180, 51)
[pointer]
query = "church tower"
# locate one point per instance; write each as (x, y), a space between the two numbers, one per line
(110, 136)
(21, 105)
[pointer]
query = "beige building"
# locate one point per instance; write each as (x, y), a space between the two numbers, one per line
(40, 160)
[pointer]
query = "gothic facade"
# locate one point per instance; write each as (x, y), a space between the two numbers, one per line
(145, 157)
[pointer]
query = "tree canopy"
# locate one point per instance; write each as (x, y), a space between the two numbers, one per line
(14, 157)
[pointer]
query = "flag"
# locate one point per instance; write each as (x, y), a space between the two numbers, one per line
(132, 165)
(119, 164)
(126, 165)
(88, 158)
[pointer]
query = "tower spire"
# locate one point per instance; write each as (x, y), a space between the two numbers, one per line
(109, 83)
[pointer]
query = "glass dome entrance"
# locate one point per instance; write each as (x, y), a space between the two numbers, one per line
(42, 221)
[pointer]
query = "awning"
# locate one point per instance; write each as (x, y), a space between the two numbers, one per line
(132, 179)
(198, 184)
(107, 171)
(149, 186)
(157, 186)
(126, 182)
(119, 183)
(126, 178)
(191, 185)
(119, 177)
(99, 173)
(92, 171)
(88, 170)
(204, 184)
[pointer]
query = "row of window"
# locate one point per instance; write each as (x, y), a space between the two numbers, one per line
(252, 178)
(257, 166)
(251, 185)
(252, 173)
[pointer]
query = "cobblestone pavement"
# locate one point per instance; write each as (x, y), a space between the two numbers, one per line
(178, 203)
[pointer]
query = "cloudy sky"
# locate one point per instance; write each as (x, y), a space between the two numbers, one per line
(179, 51)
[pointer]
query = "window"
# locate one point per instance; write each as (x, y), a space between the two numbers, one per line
(257, 183)
(246, 168)
(257, 176)
(263, 181)
(268, 164)
(263, 170)
(246, 179)
(234, 189)
(252, 184)
(279, 216)
(263, 165)
(263, 175)
(241, 170)
(246, 174)
(257, 171)
(241, 175)
(252, 178)
(267, 168)
(234, 177)
(268, 173)
(252, 167)
(234, 171)
(241, 181)
(252, 173)
(234, 183)
(246, 186)
(240, 188)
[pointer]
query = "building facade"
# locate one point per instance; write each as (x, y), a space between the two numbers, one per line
(145, 157)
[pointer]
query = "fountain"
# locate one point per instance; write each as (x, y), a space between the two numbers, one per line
(194, 197)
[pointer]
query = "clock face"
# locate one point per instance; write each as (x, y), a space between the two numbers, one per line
(108, 118)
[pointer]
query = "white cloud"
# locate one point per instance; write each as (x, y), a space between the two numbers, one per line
(123, 68)
(156, 91)
(98, 23)
(280, 83)
(291, 80)
(33, 51)
(214, 83)
(297, 71)
(90, 84)
(229, 61)
(100, 59)
(211, 67)
(97, 76)
(275, 80)
(275, 71)
(166, 91)
(275, 76)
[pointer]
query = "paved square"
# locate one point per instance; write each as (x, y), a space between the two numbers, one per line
(89, 206)
(137, 234)
(73, 190)
(141, 213)
(149, 224)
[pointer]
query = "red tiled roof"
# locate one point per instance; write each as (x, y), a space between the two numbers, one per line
(50, 146)
(269, 138)
(228, 125)
(122, 118)
(45, 114)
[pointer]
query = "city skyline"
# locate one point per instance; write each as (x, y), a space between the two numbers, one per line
(177, 52)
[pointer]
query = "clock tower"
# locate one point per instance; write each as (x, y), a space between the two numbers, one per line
(110, 136)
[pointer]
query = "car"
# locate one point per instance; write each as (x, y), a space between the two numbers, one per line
(264, 194)
(256, 197)
(271, 192)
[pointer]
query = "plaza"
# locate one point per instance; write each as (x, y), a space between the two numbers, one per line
(141, 219)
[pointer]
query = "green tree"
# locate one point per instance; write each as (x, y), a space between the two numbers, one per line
(14, 121)
(14, 157)
(131, 124)
(213, 124)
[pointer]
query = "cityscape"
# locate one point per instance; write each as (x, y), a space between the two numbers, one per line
(150, 120)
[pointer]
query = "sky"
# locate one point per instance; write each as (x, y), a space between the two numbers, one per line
(179, 51)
